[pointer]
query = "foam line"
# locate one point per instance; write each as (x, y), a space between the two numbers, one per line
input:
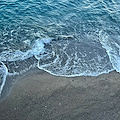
(4, 78)
(36, 49)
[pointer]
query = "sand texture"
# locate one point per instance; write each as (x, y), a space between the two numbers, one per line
(38, 95)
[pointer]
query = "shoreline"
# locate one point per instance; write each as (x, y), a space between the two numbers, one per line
(11, 80)
(40, 95)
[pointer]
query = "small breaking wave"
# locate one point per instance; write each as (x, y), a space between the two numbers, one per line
(112, 45)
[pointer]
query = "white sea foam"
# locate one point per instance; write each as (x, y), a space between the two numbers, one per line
(112, 45)
(36, 49)
(4, 72)
(81, 58)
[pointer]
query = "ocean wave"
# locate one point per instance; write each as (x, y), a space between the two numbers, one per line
(36, 49)
(112, 45)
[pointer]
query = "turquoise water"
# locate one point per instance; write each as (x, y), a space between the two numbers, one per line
(62, 37)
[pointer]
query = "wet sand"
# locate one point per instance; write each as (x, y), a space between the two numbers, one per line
(37, 95)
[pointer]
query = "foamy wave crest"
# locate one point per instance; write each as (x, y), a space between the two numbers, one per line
(3, 74)
(112, 45)
(36, 49)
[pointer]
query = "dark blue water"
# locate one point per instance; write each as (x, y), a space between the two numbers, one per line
(63, 37)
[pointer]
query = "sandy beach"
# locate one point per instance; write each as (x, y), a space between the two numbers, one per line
(37, 95)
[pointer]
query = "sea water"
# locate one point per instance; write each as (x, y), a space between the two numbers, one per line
(62, 37)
